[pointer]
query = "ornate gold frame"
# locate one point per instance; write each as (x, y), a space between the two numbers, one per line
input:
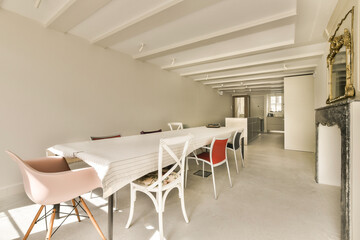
(336, 43)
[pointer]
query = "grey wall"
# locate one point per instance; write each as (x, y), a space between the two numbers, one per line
(257, 107)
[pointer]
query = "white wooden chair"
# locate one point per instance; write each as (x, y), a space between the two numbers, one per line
(165, 179)
(235, 145)
(175, 126)
(215, 157)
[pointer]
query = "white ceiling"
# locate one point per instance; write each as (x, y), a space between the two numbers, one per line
(234, 46)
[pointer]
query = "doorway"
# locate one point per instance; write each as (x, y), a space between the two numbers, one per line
(241, 106)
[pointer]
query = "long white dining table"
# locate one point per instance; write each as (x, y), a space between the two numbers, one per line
(119, 161)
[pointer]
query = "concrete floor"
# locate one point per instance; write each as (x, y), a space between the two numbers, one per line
(273, 197)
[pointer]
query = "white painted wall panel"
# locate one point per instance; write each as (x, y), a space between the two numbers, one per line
(299, 113)
(329, 155)
(240, 123)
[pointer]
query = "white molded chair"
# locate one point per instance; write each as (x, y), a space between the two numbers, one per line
(175, 126)
(235, 145)
(163, 180)
(216, 157)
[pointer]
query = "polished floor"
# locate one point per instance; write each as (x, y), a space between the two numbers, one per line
(273, 197)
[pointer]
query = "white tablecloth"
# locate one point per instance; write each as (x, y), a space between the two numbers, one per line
(118, 161)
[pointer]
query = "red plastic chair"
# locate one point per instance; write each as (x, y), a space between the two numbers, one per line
(49, 181)
(216, 157)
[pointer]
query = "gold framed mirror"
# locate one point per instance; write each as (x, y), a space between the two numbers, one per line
(340, 62)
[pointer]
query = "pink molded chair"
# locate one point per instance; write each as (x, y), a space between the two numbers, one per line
(216, 157)
(49, 181)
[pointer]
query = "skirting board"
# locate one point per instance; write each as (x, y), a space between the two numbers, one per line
(11, 190)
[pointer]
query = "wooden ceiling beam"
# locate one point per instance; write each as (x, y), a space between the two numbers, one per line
(212, 37)
(257, 63)
(73, 13)
(279, 76)
(167, 12)
(275, 70)
(227, 56)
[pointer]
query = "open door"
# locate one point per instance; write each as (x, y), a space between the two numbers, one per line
(241, 106)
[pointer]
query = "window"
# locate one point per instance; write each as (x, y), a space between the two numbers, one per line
(276, 104)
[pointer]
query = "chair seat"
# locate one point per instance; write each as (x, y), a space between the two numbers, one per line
(152, 177)
(204, 156)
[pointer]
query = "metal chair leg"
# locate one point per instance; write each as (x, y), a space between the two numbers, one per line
(236, 163)
(227, 165)
(213, 177)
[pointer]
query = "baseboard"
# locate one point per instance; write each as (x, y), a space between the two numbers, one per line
(11, 190)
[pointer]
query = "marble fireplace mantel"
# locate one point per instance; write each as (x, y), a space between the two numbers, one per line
(331, 115)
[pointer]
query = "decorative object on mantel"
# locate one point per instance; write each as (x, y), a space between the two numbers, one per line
(340, 62)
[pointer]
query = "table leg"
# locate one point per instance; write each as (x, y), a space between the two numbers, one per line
(57, 213)
(242, 148)
(110, 216)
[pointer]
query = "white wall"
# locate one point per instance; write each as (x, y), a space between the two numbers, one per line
(240, 123)
(299, 113)
(329, 155)
(56, 88)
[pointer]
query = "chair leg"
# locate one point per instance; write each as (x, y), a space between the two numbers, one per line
(242, 153)
(87, 210)
(197, 162)
(213, 177)
(132, 206)
(186, 170)
(236, 163)
(48, 235)
(227, 165)
(203, 169)
(181, 195)
(76, 211)
(160, 213)
(33, 222)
